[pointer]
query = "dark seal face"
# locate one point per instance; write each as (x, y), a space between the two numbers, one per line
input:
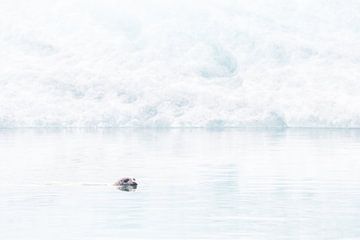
(127, 184)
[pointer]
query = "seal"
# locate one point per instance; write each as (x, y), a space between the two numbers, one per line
(126, 184)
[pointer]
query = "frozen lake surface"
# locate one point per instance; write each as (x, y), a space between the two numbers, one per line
(194, 183)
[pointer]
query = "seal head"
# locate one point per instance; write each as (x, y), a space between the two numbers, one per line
(127, 183)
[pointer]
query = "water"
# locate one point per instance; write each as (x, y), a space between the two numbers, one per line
(193, 183)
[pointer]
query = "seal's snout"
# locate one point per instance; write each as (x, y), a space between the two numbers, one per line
(134, 183)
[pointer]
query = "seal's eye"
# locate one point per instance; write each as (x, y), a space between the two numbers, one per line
(134, 179)
(126, 180)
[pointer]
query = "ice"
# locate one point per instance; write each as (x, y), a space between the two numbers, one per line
(77, 63)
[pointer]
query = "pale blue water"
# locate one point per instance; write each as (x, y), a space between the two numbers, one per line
(195, 183)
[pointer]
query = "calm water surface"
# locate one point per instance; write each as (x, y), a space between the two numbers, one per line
(195, 183)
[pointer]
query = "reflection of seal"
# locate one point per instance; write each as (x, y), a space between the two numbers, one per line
(127, 188)
(127, 183)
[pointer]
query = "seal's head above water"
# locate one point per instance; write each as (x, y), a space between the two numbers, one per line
(127, 182)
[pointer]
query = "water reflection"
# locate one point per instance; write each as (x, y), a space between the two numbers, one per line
(128, 188)
(193, 184)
